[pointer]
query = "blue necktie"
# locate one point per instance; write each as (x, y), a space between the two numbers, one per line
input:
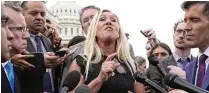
(201, 70)
(38, 44)
(47, 79)
(10, 73)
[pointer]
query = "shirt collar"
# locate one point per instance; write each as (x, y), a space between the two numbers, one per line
(176, 57)
(206, 52)
(5, 63)
(32, 35)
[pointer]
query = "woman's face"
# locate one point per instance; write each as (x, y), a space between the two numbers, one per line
(107, 27)
(161, 53)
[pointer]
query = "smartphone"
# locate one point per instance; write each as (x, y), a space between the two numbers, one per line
(35, 75)
(144, 33)
(60, 53)
(37, 60)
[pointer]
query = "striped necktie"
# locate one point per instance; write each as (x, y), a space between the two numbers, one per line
(201, 70)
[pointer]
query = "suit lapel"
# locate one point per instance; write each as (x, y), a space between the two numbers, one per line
(47, 44)
(191, 71)
(5, 87)
(205, 82)
(30, 47)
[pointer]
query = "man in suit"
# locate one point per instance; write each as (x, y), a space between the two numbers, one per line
(9, 82)
(197, 27)
(35, 13)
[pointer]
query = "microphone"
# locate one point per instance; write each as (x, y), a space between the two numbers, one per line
(155, 62)
(142, 78)
(174, 81)
(83, 89)
(81, 61)
(71, 81)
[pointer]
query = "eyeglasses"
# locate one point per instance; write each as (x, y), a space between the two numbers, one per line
(179, 31)
(3, 22)
(22, 29)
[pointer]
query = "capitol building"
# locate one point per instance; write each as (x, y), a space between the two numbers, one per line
(66, 15)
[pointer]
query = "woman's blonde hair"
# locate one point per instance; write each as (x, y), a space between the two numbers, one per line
(94, 53)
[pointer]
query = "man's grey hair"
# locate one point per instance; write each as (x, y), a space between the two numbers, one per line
(15, 5)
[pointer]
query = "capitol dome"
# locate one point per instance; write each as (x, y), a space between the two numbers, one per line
(66, 8)
(68, 18)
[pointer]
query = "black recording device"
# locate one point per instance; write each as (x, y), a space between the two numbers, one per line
(60, 53)
(37, 60)
(33, 76)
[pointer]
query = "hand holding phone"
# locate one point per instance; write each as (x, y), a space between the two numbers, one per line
(60, 53)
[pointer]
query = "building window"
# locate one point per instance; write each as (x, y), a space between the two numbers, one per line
(57, 11)
(61, 10)
(66, 31)
(65, 10)
(77, 31)
(72, 31)
(74, 11)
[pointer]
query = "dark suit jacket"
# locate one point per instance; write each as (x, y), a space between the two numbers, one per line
(154, 75)
(191, 74)
(5, 87)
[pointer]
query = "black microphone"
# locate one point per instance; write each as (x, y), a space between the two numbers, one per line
(142, 78)
(174, 81)
(81, 61)
(155, 62)
(71, 81)
(83, 89)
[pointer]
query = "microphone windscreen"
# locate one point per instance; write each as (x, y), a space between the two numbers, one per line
(83, 89)
(72, 80)
(140, 77)
(153, 60)
(169, 78)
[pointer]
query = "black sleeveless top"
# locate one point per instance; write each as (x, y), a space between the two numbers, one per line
(119, 83)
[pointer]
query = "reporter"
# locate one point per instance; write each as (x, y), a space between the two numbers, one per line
(161, 51)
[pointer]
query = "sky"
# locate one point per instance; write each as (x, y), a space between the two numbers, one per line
(136, 15)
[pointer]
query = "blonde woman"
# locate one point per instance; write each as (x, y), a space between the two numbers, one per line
(109, 67)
